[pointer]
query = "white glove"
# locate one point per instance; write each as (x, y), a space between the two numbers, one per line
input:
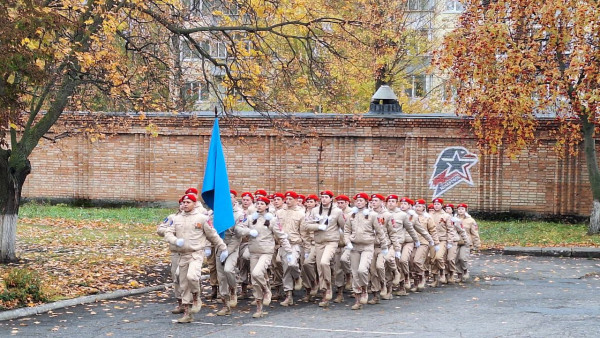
(323, 226)
(437, 248)
(179, 242)
(289, 258)
(223, 256)
(306, 255)
(349, 246)
(430, 243)
(354, 210)
(412, 212)
(385, 251)
(448, 246)
(254, 215)
(268, 216)
(253, 233)
(366, 212)
(398, 254)
(417, 244)
(207, 251)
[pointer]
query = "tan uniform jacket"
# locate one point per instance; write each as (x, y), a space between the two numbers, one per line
(399, 221)
(291, 220)
(264, 243)
(335, 222)
(383, 217)
(361, 229)
(472, 230)
(413, 221)
(427, 223)
(196, 231)
(456, 233)
(308, 236)
(162, 229)
(442, 221)
(233, 235)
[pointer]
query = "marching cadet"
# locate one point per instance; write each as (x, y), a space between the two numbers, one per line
(378, 264)
(301, 199)
(248, 209)
(455, 234)
(443, 223)
(162, 228)
(472, 230)
(420, 254)
(326, 221)
(277, 203)
(410, 243)
(191, 233)
(291, 220)
(226, 270)
(341, 266)
(308, 258)
(360, 232)
(449, 209)
(263, 228)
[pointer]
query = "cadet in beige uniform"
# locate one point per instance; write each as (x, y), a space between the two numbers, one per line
(420, 254)
(309, 260)
(226, 270)
(360, 232)
(442, 221)
(455, 234)
(292, 220)
(341, 266)
(380, 256)
(263, 228)
(192, 232)
(248, 209)
(464, 249)
(162, 228)
(326, 221)
(277, 203)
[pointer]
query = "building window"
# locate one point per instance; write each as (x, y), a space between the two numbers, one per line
(454, 6)
(417, 86)
(195, 92)
(219, 50)
(419, 5)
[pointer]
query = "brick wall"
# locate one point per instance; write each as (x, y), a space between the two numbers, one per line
(372, 154)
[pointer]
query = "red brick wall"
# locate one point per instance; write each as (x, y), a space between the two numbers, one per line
(372, 154)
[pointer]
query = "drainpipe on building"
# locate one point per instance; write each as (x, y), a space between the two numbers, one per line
(319, 159)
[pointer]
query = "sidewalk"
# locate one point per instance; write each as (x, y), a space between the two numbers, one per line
(578, 252)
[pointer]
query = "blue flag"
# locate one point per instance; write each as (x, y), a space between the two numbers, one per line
(215, 188)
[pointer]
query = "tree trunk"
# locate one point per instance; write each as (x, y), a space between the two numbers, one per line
(589, 144)
(13, 171)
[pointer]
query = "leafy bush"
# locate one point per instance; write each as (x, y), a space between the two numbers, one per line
(22, 287)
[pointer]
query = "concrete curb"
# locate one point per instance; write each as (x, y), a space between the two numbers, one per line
(552, 251)
(30, 311)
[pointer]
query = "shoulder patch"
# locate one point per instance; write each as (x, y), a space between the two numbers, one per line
(199, 225)
(209, 222)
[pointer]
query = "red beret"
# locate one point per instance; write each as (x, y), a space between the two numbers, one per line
(327, 192)
(439, 200)
(192, 191)
(430, 206)
(263, 199)
(421, 201)
(380, 196)
(391, 197)
(449, 205)
(278, 194)
(271, 196)
(463, 205)
(343, 198)
(244, 194)
(291, 194)
(302, 197)
(181, 199)
(233, 192)
(260, 192)
(189, 197)
(362, 195)
(411, 202)
(312, 197)
(405, 199)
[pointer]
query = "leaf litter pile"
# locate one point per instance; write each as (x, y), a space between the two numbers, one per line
(83, 257)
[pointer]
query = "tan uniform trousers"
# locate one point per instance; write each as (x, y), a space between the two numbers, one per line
(419, 256)
(463, 258)
(407, 249)
(291, 271)
(360, 262)
(226, 273)
(244, 264)
(212, 267)
(276, 268)
(259, 264)
(439, 261)
(174, 274)
(390, 265)
(451, 257)
(309, 269)
(341, 266)
(325, 253)
(377, 270)
(190, 269)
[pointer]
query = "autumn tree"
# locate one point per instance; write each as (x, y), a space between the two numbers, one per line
(510, 61)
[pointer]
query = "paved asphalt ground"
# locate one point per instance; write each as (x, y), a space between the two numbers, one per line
(508, 296)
